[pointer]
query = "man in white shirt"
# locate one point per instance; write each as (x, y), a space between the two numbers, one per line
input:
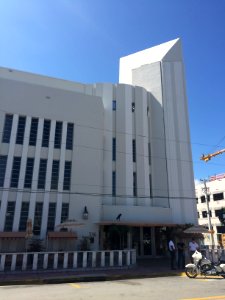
(172, 251)
(193, 246)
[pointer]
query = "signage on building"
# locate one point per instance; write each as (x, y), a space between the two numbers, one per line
(217, 177)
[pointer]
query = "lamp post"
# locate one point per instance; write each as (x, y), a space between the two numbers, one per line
(208, 213)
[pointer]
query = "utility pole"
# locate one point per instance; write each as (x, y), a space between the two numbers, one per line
(208, 214)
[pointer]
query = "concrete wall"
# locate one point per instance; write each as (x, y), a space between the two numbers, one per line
(56, 104)
(160, 71)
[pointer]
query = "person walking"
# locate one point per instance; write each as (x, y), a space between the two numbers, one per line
(181, 254)
(193, 246)
(172, 251)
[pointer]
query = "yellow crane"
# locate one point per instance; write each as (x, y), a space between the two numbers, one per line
(207, 157)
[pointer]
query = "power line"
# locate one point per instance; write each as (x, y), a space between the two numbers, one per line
(94, 194)
(128, 133)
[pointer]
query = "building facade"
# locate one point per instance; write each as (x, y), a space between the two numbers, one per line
(216, 201)
(114, 157)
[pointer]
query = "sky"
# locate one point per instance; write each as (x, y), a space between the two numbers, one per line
(82, 41)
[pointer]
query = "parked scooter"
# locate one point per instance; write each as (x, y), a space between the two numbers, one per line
(203, 266)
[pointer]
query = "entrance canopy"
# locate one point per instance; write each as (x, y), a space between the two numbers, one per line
(196, 229)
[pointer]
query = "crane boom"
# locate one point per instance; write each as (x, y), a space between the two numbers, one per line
(207, 157)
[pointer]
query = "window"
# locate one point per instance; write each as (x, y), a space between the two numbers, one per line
(29, 173)
(46, 133)
(58, 135)
(33, 132)
(114, 183)
(114, 104)
(24, 216)
(37, 218)
(203, 198)
(15, 172)
(69, 136)
(42, 173)
(20, 130)
(149, 154)
(67, 176)
(150, 185)
(7, 129)
(133, 107)
(219, 212)
(198, 215)
(9, 216)
(3, 161)
(134, 150)
(218, 196)
(114, 149)
(196, 200)
(205, 214)
(65, 212)
(134, 184)
(55, 175)
(51, 217)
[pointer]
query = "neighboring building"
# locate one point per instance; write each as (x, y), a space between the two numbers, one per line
(216, 191)
(112, 150)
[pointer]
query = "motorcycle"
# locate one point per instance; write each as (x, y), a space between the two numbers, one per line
(203, 266)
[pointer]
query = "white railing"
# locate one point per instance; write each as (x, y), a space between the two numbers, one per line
(214, 254)
(39, 261)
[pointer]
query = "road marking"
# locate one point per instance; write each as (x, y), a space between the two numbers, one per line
(75, 285)
(78, 286)
(207, 298)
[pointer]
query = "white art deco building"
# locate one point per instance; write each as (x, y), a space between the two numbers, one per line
(216, 203)
(106, 149)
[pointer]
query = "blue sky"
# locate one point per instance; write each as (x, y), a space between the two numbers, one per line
(82, 40)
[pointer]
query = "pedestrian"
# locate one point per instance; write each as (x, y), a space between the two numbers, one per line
(181, 254)
(172, 251)
(193, 246)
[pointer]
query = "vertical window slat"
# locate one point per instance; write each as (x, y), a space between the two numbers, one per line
(69, 136)
(7, 128)
(33, 132)
(15, 172)
(20, 130)
(3, 162)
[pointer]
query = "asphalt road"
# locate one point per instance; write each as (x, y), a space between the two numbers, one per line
(169, 288)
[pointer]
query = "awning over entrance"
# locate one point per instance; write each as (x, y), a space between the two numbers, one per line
(62, 235)
(135, 224)
(10, 234)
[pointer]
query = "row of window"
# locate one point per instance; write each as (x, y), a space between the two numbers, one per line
(114, 183)
(132, 106)
(133, 151)
(16, 166)
(205, 213)
(10, 212)
(33, 132)
(216, 197)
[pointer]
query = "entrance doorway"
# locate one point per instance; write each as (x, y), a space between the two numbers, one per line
(148, 241)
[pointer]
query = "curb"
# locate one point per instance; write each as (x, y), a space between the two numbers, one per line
(87, 278)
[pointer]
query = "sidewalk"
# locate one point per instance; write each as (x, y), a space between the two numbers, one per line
(148, 268)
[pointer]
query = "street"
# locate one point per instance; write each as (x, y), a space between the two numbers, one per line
(169, 288)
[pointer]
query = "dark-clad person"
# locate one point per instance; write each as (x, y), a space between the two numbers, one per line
(181, 254)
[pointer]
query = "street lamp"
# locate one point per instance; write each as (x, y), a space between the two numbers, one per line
(208, 212)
